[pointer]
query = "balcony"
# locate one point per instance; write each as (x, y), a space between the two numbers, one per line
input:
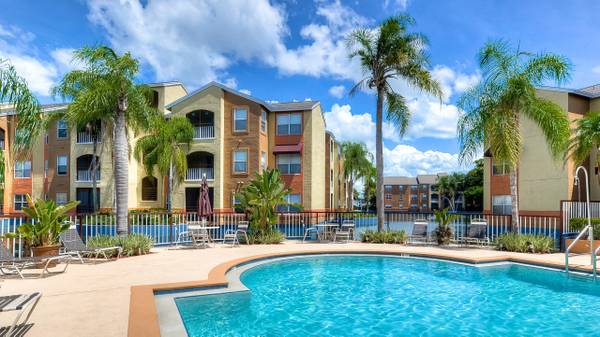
(86, 176)
(206, 131)
(196, 173)
(84, 137)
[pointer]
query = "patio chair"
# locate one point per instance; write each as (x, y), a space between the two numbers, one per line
(420, 231)
(197, 233)
(309, 231)
(233, 235)
(349, 223)
(73, 245)
(342, 233)
(476, 233)
(19, 303)
(11, 265)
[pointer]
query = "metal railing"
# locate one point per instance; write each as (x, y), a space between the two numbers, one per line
(196, 173)
(204, 131)
(590, 231)
(86, 175)
(84, 137)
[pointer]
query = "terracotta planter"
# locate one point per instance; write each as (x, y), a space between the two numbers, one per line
(45, 251)
(582, 246)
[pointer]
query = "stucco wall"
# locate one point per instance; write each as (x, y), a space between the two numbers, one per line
(314, 189)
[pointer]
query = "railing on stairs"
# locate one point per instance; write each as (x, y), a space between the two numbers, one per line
(587, 229)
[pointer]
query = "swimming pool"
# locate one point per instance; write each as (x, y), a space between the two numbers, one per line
(381, 295)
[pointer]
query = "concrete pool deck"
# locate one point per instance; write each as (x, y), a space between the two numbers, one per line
(93, 300)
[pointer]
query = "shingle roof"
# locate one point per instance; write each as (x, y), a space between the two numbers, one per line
(400, 181)
(592, 91)
(279, 106)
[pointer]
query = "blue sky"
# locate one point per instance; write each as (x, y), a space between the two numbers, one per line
(294, 50)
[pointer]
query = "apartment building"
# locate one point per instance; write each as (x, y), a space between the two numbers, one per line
(236, 135)
(542, 181)
(335, 183)
(414, 194)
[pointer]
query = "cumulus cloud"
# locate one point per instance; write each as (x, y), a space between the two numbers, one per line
(398, 160)
(192, 40)
(337, 91)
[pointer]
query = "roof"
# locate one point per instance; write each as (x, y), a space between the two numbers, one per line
(284, 106)
(592, 91)
(167, 84)
(44, 108)
(428, 179)
(400, 181)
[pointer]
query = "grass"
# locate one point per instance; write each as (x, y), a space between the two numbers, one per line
(133, 244)
(269, 238)
(525, 243)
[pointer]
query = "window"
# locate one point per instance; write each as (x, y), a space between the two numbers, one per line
(263, 121)
(61, 165)
(291, 199)
(61, 198)
(23, 169)
(240, 119)
(388, 197)
(20, 202)
(413, 188)
(502, 204)
(149, 189)
(388, 206)
(289, 163)
(500, 168)
(240, 161)
(388, 188)
(61, 129)
(289, 124)
(263, 160)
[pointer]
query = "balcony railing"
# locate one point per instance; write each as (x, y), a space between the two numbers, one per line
(86, 175)
(196, 173)
(86, 138)
(204, 131)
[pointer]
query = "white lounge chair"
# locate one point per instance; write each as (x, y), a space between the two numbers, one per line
(420, 232)
(233, 235)
(11, 265)
(74, 246)
(19, 303)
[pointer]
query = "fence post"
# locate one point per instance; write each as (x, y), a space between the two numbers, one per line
(170, 225)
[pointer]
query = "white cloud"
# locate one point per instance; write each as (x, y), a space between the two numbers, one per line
(596, 69)
(398, 4)
(231, 82)
(337, 91)
(399, 160)
(192, 40)
(63, 58)
(246, 91)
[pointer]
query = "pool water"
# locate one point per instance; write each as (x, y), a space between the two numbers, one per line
(390, 296)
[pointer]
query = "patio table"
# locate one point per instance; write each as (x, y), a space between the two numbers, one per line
(200, 234)
(326, 230)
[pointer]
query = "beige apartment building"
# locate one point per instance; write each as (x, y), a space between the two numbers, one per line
(542, 181)
(236, 135)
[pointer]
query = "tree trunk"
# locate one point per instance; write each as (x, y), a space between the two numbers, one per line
(379, 161)
(170, 189)
(121, 164)
(94, 170)
(514, 193)
(351, 196)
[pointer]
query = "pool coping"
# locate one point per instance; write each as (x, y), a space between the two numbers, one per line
(143, 315)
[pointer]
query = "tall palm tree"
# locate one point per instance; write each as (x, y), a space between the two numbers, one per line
(507, 92)
(586, 139)
(30, 123)
(164, 147)
(389, 53)
(105, 90)
(370, 185)
(356, 161)
(449, 186)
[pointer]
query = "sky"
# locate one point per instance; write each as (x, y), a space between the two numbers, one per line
(295, 50)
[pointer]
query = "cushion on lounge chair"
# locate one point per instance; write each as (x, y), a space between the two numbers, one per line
(477, 231)
(419, 229)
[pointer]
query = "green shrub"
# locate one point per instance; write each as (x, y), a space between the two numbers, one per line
(132, 244)
(389, 236)
(577, 224)
(525, 243)
(268, 238)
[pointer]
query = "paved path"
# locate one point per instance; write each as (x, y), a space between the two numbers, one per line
(93, 300)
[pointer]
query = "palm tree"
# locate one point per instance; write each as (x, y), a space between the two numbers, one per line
(493, 108)
(356, 161)
(30, 123)
(449, 187)
(370, 185)
(164, 147)
(390, 53)
(105, 91)
(586, 139)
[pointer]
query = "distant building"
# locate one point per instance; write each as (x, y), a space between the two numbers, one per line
(414, 194)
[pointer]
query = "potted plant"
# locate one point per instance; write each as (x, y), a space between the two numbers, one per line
(443, 232)
(47, 221)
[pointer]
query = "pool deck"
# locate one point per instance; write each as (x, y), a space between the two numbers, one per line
(93, 300)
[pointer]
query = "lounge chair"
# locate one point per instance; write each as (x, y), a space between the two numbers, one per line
(233, 235)
(74, 246)
(11, 265)
(345, 231)
(476, 233)
(19, 303)
(420, 231)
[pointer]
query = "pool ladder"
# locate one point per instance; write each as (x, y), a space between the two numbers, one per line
(593, 252)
